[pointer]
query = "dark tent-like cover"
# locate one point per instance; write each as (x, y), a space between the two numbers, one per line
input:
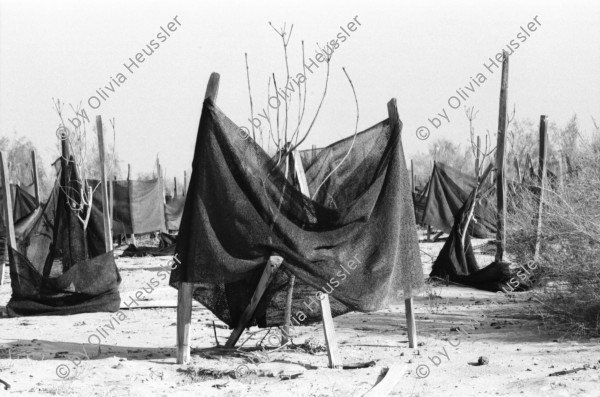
(138, 206)
(356, 240)
(457, 262)
(448, 191)
(58, 268)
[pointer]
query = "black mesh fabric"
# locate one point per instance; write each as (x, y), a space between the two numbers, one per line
(457, 262)
(58, 268)
(356, 240)
(448, 190)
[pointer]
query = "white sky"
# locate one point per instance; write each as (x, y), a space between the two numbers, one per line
(418, 52)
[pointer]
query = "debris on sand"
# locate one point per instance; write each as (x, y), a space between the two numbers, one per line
(311, 346)
(483, 360)
(571, 371)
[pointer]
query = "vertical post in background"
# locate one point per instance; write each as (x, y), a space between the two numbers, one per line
(500, 178)
(36, 185)
(412, 175)
(561, 173)
(184, 183)
(11, 242)
(103, 186)
(111, 199)
(478, 157)
(186, 290)
(174, 187)
(542, 180)
(518, 170)
(132, 235)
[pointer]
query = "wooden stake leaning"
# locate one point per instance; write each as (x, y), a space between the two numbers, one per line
(185, 290)
(11, 242)
(270, 269)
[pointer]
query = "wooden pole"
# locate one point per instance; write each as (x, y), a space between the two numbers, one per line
(270, 269)
(103, 186)
(174, 187)
(161, 180)
(478, 157)
(335, 360)
(500, 179)
(65, 158)
(561, 174)
(542, 179)
(11, 242)
(569, 165)
(34, 173)
(518, 170)
(111, 199)
(132, 235)
(184, 321)
(184, 183)
(412, 175)
(185, 290)
(293, 161)
(408, 300)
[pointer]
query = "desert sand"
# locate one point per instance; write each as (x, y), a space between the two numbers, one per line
(456, 326)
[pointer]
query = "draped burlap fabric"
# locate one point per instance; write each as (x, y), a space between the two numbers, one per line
(173, 212)
(58, 268)
(448, 190)
(356, 240)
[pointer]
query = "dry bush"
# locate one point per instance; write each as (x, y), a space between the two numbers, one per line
(567, 278)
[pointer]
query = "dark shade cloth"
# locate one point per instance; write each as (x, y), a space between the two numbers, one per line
(58, 268)
(121, 206)
(87, 287)
(356, 240)
(459, 264)
(138, 206)
(448, 190)
(173, 212)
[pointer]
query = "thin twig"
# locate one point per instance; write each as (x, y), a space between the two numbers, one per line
(353, 138)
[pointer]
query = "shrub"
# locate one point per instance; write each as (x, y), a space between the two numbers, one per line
(568, 275)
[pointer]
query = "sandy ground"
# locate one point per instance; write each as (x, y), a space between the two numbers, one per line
(456, 325)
